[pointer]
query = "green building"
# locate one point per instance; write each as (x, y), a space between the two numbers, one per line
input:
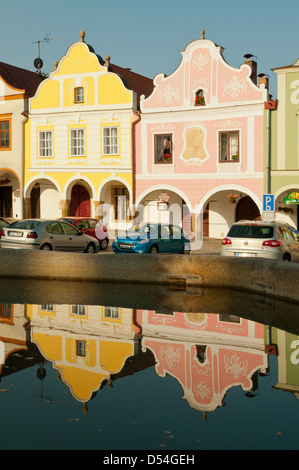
(282, 145)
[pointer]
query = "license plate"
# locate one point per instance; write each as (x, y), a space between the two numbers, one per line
(15, 234)
(125, 246)
(247, 255)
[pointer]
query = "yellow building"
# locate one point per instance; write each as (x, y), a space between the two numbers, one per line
(79, 148)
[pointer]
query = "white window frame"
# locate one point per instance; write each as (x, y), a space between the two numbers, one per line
(45, 142)
(110, 142)
(230, 152)
(79, 95)
(112, 313)
(160, 148)
(77, 142)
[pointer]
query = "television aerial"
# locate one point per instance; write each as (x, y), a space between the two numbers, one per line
(38, 63)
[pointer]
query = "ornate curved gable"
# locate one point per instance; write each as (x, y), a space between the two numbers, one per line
(203, 68)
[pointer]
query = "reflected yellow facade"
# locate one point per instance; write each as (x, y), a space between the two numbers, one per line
(86, 344)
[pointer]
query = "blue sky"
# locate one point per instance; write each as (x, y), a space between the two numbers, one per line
(148, 36)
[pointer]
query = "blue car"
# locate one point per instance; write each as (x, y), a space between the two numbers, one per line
(152, 238)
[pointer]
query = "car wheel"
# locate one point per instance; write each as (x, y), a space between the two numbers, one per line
(46, 247)
(90, 248)
(154, 249)
(286, 257)
(104, 244)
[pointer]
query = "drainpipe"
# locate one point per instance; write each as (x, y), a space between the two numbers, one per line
(25, 118)
(136, 119)
(268, 186)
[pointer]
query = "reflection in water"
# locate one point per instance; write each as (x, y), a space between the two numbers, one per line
(208, 354)
(91, 346)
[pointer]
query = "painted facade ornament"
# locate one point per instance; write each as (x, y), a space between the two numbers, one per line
(234, 87)
(235, 367)
(169, 94)
(201, 61)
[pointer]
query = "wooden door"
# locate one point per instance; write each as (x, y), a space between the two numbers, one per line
(80, 202)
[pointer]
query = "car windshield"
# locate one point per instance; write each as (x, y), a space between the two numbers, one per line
(26, 224)
(251, 231)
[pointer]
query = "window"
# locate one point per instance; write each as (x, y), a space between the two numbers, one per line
(200, 98)
(45, 144)
(79, 95)
(77, 142)
(111, 312)
(110, 141)
(163, 148)
(229, 146)
(5, 134)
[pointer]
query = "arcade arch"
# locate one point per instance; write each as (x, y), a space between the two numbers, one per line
(10, 194)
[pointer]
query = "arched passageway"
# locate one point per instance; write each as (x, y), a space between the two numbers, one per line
(80, 202)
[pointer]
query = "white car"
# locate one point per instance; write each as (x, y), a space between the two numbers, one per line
(274, 240)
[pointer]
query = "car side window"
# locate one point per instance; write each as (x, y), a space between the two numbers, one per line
(69, 229)
(49, 229)
(295, 234)
(81, 224)
(56, 228)
(92, 223)
(176, 232)
(287, 234)
(165, 232)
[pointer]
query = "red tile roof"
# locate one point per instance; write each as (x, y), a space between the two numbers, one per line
(19, 78)
(142, 85)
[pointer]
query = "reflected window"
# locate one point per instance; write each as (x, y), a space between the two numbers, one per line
(79, 310)
(5, 311)
(111, 312)
(80, 348)
(229, 318)
(47, 307)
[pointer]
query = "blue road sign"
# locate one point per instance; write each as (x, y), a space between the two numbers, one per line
(268, 202)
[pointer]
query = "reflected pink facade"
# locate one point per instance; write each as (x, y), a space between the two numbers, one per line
(206, 353)
(215, 148)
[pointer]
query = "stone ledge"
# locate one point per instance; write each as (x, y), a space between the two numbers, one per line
(275, 279)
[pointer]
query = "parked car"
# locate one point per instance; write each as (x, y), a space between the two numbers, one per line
(92, 227)
(274, 240)
(152, 238)
(3, 223)
(39, 234)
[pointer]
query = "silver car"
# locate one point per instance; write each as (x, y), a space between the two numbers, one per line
(274, 240)
(38, 234)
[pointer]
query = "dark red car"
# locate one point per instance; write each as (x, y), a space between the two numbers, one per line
(92, 227)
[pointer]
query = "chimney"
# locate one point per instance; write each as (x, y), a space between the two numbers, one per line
(253, 64)
(263, 80)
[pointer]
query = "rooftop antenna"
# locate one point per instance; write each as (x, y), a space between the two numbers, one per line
(38, 63)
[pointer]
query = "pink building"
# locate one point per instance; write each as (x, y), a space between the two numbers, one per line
(200, 142)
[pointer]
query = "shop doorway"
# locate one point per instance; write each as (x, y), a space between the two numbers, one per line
(6, 202)
(247, 209)
(80, 202)
(35, 201)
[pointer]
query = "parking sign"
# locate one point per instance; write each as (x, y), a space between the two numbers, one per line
(268, 202)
